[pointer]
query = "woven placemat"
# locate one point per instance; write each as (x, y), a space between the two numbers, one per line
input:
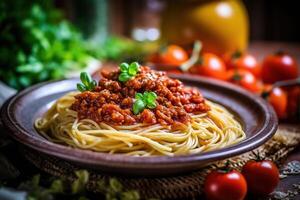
(187, 186)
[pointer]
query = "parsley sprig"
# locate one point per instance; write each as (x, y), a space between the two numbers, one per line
(142, 101)
(87, 83)
(128, 71)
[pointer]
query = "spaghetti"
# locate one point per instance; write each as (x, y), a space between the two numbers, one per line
(207, 131)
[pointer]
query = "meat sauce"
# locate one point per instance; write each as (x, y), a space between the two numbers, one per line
(111, 101)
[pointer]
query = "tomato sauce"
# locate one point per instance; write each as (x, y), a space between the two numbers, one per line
(111, 101)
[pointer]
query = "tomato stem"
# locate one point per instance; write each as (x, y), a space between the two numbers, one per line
(194, 58)
(226, 168)
(236, 77)
(279, 52)
(265, 94)
(163, 48)
(257, 156)
(236, 54)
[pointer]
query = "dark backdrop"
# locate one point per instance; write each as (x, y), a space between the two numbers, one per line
(274, 20)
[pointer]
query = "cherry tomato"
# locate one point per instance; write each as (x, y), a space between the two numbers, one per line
(171, 55)
(245, 61)
(262, 176)
(224, 186)
(278, 67)
(210, 65)
(278, 98)
(243, 78)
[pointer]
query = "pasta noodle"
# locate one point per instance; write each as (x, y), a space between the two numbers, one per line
(212, 130)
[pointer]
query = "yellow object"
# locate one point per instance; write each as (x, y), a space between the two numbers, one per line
(222, 26)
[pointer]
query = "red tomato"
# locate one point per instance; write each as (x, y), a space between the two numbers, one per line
(243, 78)
(172, 55)
(210, 65)
(278, 99)
(225, 186)
(242, 61)
(262, 176)
(279, 67)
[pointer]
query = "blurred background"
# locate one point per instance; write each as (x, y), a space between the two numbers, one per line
(274, 20)
(49, 40)
(45, 40)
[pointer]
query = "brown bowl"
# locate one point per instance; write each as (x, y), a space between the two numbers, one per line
(257, 117)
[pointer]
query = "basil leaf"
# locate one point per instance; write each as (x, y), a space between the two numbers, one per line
(57, 186)
(139, 96)
(84, 78)
(92, 85)
(123, 77)
(133, 68)
(138, 106)
(151, 105)
(145, 96)
(153, 95)
(124, 67)
(79, 184)
(81, 87)
(150, 97)
(115, 185)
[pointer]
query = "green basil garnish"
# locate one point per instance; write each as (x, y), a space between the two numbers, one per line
(142, 101)
(87, 83)
(128, 71)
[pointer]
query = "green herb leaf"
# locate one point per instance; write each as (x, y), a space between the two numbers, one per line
(138, 106)
(144, 100)
(123, 77)
(57, 186)
(81, 87)
(128, 71)
(85, 78)
(87, 84)
(115, 185)
(151, 105)
(139, 96)
(133, 68)
(124, 67)
(36, 180)
(130, 195)
(150, 97)
(79, 184)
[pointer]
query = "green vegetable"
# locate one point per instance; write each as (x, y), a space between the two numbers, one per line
(142, 101)
(78, 186)
(114, 191)
(59, 188)
(121, 49)
(128, 71)
(88, 84)
(37, 44)
(123, 77)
